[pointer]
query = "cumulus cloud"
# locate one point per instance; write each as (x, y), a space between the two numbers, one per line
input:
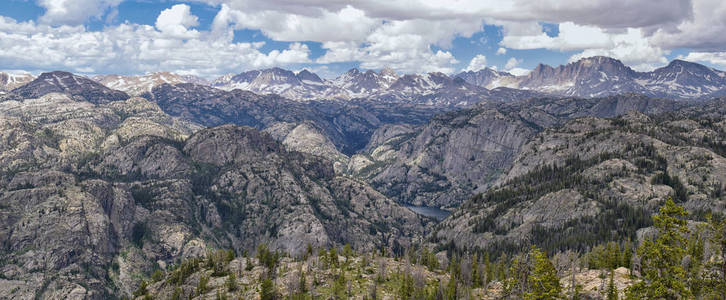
(512, 67)
(512, 62)
(570, 37)
(407, 35)
(175, 22)
(704, 31)
(518, 71)
(716, 58)
(630, 47)
(477, 63)
(365, 30)
(131, 49)
(400, 45)
(74, 12)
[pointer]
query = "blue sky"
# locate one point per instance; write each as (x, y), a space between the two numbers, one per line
(213, 37)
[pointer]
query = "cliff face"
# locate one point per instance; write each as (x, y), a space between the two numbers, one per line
(596, 179)
(92, 195)
(460, 153)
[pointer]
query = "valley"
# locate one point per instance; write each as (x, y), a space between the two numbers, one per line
(171, 186)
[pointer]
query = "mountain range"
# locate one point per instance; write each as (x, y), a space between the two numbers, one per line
(588, 77)
(597, 76)
(603, 76)
(103, 184)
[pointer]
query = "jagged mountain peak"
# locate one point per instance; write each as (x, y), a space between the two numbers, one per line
(387, 71)
(137, 85)
(599, 76)
(12, 81)
(487, 77)
(353, 71)
(599, 60)
(309, 76)
(79, 87)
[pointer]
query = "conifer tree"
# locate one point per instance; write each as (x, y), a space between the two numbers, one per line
(451, 288)
(612, 289)
(663, 277)
(475, 273)
(267, 290)
(628, 255)
(715, 267)
(544, 280)
(488, 270)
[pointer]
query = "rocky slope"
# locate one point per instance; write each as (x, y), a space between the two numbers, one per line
(95, 195)
(348, 125)
(603, 76)
(487, 77)
(434, 89)
(137, 85)
(304, 85)
(597, 179)
(365, 276)
(459, 153)
(597, 76)
(78, 87)
(9, 82)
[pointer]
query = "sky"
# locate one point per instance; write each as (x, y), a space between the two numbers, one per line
(209, 38)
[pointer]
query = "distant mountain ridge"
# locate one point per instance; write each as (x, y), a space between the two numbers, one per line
(432, 88)
(591, 77)
(11, 81)
(137, 85)
(597, 76)
(79, 87)
(602, 76)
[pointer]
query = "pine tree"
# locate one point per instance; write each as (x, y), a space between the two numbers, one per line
(693, 263)
(302, 284)
(177, 294)
(612, 289)
(628, 255)
(267, 290)
(663, 275)
(248, 265)
(333, 257)
(347, 251)
(612, 256)
(231, 282)
(339, 286)
(202, 285)
(544, 280)
(451, 288)
(475, 273)
(715, 268)
(488, 270)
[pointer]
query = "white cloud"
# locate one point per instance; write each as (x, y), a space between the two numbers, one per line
(704, 31)
(477, 63)
(571, 37)
(404, 46)
(632, 48)
(518, 71)
(175, 22)
(629, 45)
(346, 24)
(512, 67)
(74, 12)
(716, 58)
(131, 49)
(512, 62)
(405, 35)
